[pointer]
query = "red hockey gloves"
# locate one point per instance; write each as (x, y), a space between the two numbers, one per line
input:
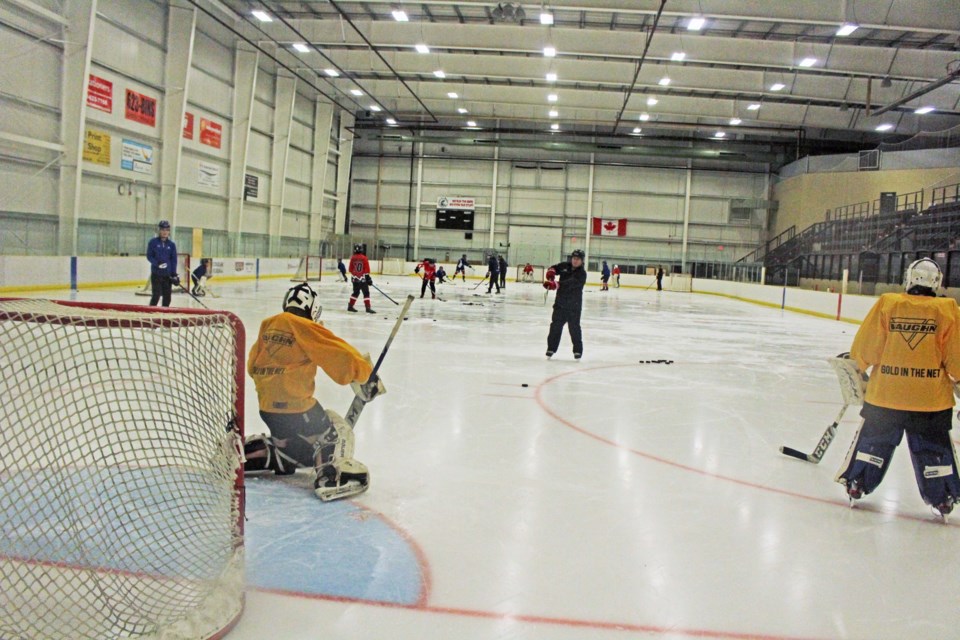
(550, 285)
(551, 274)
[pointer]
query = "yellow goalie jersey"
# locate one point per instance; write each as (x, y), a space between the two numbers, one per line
(283, 362)
(911, 342)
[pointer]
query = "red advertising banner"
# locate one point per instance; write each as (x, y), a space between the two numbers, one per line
(210, 133)
(100, 94)
(188, 125)
(141, 108)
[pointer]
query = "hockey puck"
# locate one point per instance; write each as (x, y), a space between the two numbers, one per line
(406, 318)
(524, 385)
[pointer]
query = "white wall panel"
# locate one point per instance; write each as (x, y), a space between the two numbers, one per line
(259, 152)
(207, 91)
(131, 54)
(31, 69)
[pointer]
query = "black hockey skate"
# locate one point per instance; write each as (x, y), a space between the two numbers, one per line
(549, 354)
(944, 508)
(369, 310)
(854, 491)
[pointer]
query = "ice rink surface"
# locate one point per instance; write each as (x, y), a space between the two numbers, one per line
(609, 498)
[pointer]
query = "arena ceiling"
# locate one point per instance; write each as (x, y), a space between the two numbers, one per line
(671, 69)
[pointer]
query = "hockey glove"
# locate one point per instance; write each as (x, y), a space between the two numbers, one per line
(551, 274)
(550, 285)
(370, 389)
(175, 280)
(416, 269)
(368, 279)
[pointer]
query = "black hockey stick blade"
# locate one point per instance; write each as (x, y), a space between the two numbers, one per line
(799, 455)
(821, 449)
(356, 407)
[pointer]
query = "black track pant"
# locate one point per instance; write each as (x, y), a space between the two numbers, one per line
(571, 318)
(423, 287)
(494, 282)
(160, 287)
(360, 286)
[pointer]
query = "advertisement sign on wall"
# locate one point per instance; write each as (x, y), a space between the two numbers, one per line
(96, 147)
(100, 94)
(208, 175)
(188, 125)
(136, 156)
(141, 108)
(210, 133)
(251, 186)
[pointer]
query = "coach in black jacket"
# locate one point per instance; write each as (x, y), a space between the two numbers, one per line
(569, 302)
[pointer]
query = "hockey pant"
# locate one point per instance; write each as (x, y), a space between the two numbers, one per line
(160, 287)
(494, 282)
(294, 429)
(931, 451)
(423, 288)
(360, 285)
(571, 318)
(462, 272)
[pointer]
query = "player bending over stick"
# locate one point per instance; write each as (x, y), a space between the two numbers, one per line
(283, 363)
(911, 342)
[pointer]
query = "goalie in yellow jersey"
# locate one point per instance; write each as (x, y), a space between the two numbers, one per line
(912, 342)
(283, 364)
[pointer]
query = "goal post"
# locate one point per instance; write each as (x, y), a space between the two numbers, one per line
(121, 495)
(536, 275)
(308, 270)
(183, 271)
(392, 267)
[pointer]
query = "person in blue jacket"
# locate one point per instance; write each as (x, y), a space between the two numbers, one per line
(342, 268)
(205, 270)
(605, 276)
(162, 256)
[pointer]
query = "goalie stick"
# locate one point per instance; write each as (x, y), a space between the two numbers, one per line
(356, 407)
(190, 293)
(852, 388)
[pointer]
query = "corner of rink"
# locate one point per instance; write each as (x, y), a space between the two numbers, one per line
(337, 550)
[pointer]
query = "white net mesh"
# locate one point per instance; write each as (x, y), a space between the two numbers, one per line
(120, 491)
(393, 267)
(535, 275)
(308, 269)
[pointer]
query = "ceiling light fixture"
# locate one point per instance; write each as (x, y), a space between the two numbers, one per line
(924, 110)
(847, 29)
(421, 48)
(552, 97)
(753, 107)
(644, 117)
(302, 48)
(262, 16)
(555, 127)
(439, 73)
(391, 121)
(549, 52)
(452, 95)
(808, 62)
(546, 18)
(374, 107)
(719, 134)
(471, 123)
(678, 56)
(652, 101)
(885, 127)
(886, 83)
(461, 110)
(637, 129)
(400, 15)
(333, 73)
(551, 77)
(735, 121)
(777, 86)
(554, 113)
(664, 81)
(508, 12)
(356, 92)
(696, 24)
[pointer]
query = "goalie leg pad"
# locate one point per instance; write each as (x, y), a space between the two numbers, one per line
(934, 458)
(869, 456)
(275, 459)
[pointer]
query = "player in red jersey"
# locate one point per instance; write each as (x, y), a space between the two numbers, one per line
(360, 272)
(429, 266)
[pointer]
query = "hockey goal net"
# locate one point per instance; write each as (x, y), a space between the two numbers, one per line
(536, 274)
(183, 270)
(121, 496)
(392, 267)
(679, 282)
(308, 270)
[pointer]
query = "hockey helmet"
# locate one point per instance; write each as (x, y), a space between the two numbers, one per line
(360, 248)
(578, 253)
(163, 224)
(302, 301)
(922, 273)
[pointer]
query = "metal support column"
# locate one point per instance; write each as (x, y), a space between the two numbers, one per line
(181, 25)
(77, 49)
(245, 64)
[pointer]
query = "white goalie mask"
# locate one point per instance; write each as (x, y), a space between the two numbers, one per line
(303, 298)
(922, 273)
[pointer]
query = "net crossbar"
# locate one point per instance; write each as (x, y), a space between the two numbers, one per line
(120, 476)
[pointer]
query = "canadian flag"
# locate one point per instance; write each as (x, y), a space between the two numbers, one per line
(603, 227)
